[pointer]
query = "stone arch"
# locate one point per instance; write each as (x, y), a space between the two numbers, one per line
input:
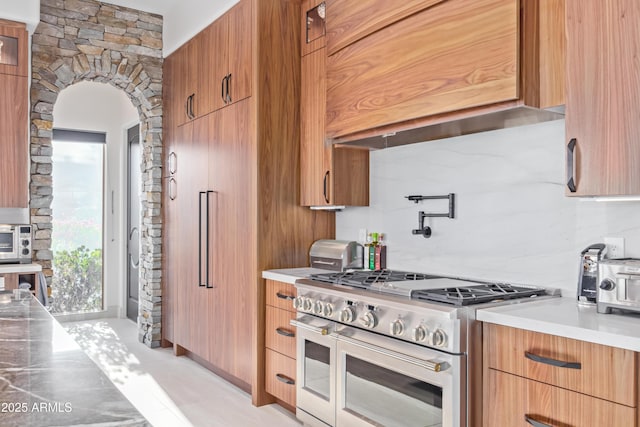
(80, 40)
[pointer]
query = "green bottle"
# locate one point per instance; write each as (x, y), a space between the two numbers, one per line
(372, 251)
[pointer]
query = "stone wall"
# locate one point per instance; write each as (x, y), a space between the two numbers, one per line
(86, 40)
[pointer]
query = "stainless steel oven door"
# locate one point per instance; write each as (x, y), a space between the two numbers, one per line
(384, 382)
(315, 371)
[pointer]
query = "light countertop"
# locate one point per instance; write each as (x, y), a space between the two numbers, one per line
(290, 275)
(564, 317)
(20, 268)
(48, 380)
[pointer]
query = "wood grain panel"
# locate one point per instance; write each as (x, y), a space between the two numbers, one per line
(453, 56)
(10, 281)
(284, 229)
(599, 363)
(544, 53)
(312, 46)
(14, 146)
(349, 21)
(315, 156)
(280, 294)
(350, 180)
(511, 398)
(603, 95)
(285, 367)
(17, 31)
(187, 77)
(277, 319)
(213, 65)
(240, 40)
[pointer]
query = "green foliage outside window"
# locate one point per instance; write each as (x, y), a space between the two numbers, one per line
(77, 280)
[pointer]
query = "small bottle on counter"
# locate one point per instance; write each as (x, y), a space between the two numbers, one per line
(365, 257)
(372, 251)
(380, 254)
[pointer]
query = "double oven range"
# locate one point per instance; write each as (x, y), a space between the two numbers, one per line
(392, 348)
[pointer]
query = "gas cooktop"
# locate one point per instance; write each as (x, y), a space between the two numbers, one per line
(425, 287)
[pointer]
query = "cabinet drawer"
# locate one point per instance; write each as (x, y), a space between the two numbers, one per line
(597, 370)
(280, 372)
(280, 335)
(280, 295)
(511, 398)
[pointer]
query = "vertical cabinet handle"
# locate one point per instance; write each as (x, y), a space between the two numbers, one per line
(325, 185)
(535, 423)
(223, 86)
(209, 283)
(285, 379)
(228, 89)
(552, 362)
(571, 164)
(200, 242)
(172, 186)
(186, 107)
(173, 162)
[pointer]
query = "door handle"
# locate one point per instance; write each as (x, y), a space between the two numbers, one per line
(136, 263)
(325, 187)
(200, 281)
(535, 423)
(285, 379)
(552, 362)
(186, 107)
(571, 164)
(284, 296)
(222, 94)
(228, 88)
(172, 184)
(285, 333)
(208, 248)
(173, 162)
(322, 330)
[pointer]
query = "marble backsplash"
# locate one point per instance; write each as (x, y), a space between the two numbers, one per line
(513, 222)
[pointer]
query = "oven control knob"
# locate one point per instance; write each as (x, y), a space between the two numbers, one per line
(396, 328)
(318, 308)
(328, 309)
(307, 304)
(419, 334)
(347, 315)
(607, 285)
(439, 338)
(297, 303)
(369, 320)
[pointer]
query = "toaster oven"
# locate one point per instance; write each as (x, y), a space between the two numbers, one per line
(619, 285)
(15, 244)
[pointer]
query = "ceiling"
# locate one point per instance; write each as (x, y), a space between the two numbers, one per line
(160, 7)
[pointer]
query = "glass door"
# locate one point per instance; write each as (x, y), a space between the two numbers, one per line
(377, 386)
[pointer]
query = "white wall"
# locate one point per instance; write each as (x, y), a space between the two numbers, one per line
(100, 107)
(27, 11)
(513, 222)
(185, 20)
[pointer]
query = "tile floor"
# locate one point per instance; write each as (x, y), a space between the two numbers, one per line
(169, 391)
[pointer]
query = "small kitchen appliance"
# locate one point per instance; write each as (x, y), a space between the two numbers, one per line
(336, 255)
(619, 285)
(15, 243)
(588, 273)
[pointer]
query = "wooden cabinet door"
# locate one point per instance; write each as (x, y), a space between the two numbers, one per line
(185, 81)
(240, 64)
(315, 157)
(603, 97)
(14, 50)
(213, 65)
(512, 400)
(455, 55)
(14, 144)
(232, 158)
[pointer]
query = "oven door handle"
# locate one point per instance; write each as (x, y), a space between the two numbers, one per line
(426, 364)
(628, 276)
(322, 330)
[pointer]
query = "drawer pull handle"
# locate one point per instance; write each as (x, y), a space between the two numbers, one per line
(285, 379)
(285, 296)
(285, 333)
(535, 423)
(552, 362)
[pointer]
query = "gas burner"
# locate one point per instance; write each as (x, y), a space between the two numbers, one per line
(477, 294)
(366, 278)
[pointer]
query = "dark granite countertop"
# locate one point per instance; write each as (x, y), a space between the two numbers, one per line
(46, 379)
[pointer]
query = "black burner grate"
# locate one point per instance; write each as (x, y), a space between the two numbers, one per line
(477, 294)
(366, 278)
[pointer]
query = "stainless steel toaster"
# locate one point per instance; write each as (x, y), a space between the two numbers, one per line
(619, 285)
(336, 255)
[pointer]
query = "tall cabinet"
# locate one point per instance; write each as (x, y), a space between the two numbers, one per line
(231, 209)
(14, 115)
